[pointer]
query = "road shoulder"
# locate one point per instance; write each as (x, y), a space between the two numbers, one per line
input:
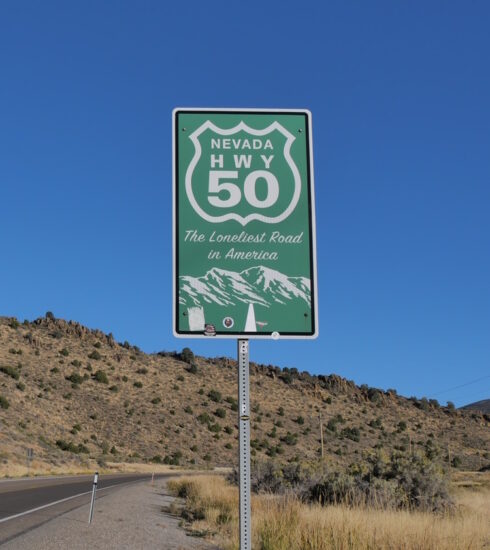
(129, 517)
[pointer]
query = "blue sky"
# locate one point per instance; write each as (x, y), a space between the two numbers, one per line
(399, 93)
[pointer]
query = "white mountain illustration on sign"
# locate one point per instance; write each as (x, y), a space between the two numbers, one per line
(256, 285)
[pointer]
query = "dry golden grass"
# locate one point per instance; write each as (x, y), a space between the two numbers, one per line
(281, 523)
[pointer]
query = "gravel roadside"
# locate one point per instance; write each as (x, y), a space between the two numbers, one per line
(129, 518)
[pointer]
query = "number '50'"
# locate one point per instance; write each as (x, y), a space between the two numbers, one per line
(234, 195)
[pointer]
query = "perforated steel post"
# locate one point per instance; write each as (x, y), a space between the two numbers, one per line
(244, 444)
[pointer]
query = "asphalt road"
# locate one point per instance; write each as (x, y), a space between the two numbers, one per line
(28, 503)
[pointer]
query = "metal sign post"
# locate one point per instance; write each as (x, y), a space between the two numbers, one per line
(92, 502)
(244, 444)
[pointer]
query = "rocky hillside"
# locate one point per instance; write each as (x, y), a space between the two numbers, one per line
(76, 396)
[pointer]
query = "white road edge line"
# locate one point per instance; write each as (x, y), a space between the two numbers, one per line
(64, 500)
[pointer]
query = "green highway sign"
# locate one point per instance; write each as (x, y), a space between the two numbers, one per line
(244, 224)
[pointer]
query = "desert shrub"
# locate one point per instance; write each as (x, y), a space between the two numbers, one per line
(351, 433)
(233, 403)
(156, 400)
(180, 378)
(71, 447)
(300, 420)
(75, 378)
(215, 396)
(95, 355)
(142, 370)
(450, 406)
(54, 370)
(4, 402)
(76, 363)
(220, 412)
(228, 446)
(13, 323)
(113, 450)
(228, 430)
(402, 426)
(216, 428)
(97, 345)
(374, 395)
(101, 376)
(376, 423)
(173, 459)
(20, 386)
(10, 371)
(456, 462)
(64, 352)
(400, 482)
(290, 439)
(192, 369)
(114, 389)
(187, 355)
(204, 418)
(49, 315)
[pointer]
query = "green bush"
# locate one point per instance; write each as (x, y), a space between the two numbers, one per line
(290, 439)
(13, 323)
(192, 369)
(71, 447)
(138, 384)
(21, 386)
(220, 413)
(101, 376)
(399, 482)
(95, 355)
(4, 402)
(10, 371)
(300, 420)
(75, 378)
(215, 396)
(64, 352)
(351, 433)
(156, 400)
(204, 418)
(187, 355)
(142, 370)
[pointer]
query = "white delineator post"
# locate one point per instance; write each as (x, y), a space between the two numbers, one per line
(244, 444)
(92, 502)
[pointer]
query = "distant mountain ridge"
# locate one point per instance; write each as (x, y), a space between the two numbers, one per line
(482, 406)
(256, 285)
